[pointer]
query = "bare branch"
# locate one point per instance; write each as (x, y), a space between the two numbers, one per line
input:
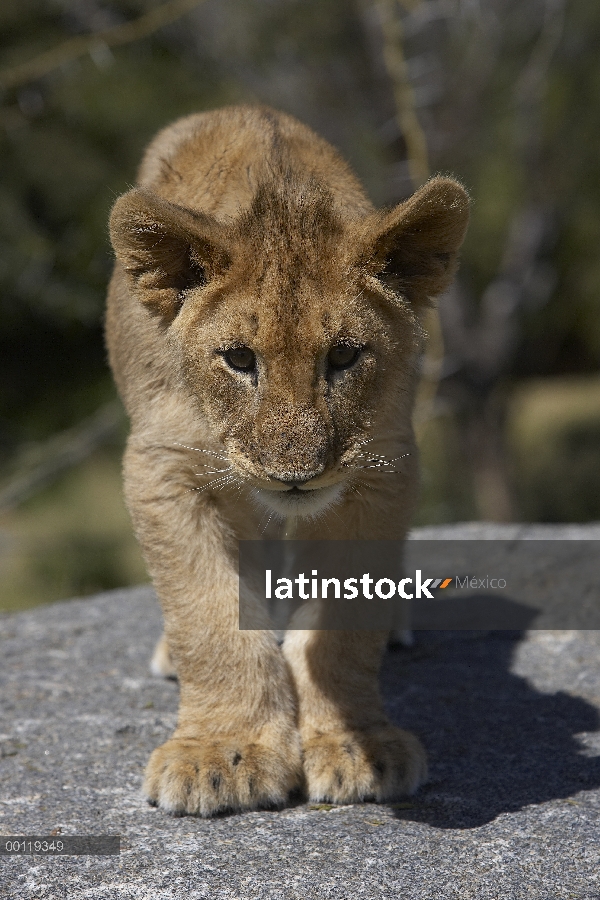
(395, 63)
(532, 83)
(79, 46)
(61, 452)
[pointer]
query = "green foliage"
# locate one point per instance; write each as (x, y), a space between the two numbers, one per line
(553, 431)
(72, 539)
(70, 144)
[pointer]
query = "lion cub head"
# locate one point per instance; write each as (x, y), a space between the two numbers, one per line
(294, 327)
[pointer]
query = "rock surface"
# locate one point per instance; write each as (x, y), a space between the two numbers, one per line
(512, 809)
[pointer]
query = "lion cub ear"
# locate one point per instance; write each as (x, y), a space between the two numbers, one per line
(165, 249)
(416, 244)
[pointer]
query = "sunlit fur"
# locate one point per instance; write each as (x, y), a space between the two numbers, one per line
(246, 230)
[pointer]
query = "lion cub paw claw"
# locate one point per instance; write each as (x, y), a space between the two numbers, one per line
(206, 777)
(353, 766)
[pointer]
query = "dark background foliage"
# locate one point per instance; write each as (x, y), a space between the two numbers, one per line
(503, 93)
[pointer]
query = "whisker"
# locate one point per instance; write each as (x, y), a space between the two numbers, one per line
(382, 460)
(362, 482)
(335, 512)
(267, 525)
(226, 482)
(380, 468)
(201, 450)
(214, 483)
(211, 463)
(378, 462)
(263, 514)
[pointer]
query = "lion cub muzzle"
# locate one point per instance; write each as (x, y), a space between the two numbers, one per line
(293, 444)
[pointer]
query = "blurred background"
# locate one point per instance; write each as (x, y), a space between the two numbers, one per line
(504, 94)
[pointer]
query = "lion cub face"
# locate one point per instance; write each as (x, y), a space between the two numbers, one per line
(289, 375)
(288, 325)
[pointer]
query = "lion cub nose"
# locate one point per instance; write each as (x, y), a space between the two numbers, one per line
(292, 444)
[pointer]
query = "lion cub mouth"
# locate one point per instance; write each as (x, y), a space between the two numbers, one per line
(303, 502)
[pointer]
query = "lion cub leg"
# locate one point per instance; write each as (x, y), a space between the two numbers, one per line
(161, 663)
(236, 744)
(351, 751)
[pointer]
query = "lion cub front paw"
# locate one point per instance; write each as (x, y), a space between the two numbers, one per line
(204, 777)
(352, 766)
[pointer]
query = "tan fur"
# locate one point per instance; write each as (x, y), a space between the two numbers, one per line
(248, 230)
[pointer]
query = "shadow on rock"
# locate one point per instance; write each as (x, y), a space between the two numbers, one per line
(495, 743)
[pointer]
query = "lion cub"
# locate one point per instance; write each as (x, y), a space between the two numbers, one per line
(264, 324)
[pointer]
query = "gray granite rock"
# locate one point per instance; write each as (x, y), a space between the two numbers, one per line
(512, 809)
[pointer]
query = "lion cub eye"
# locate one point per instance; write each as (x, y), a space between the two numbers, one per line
(240, 358)
(342, 356)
